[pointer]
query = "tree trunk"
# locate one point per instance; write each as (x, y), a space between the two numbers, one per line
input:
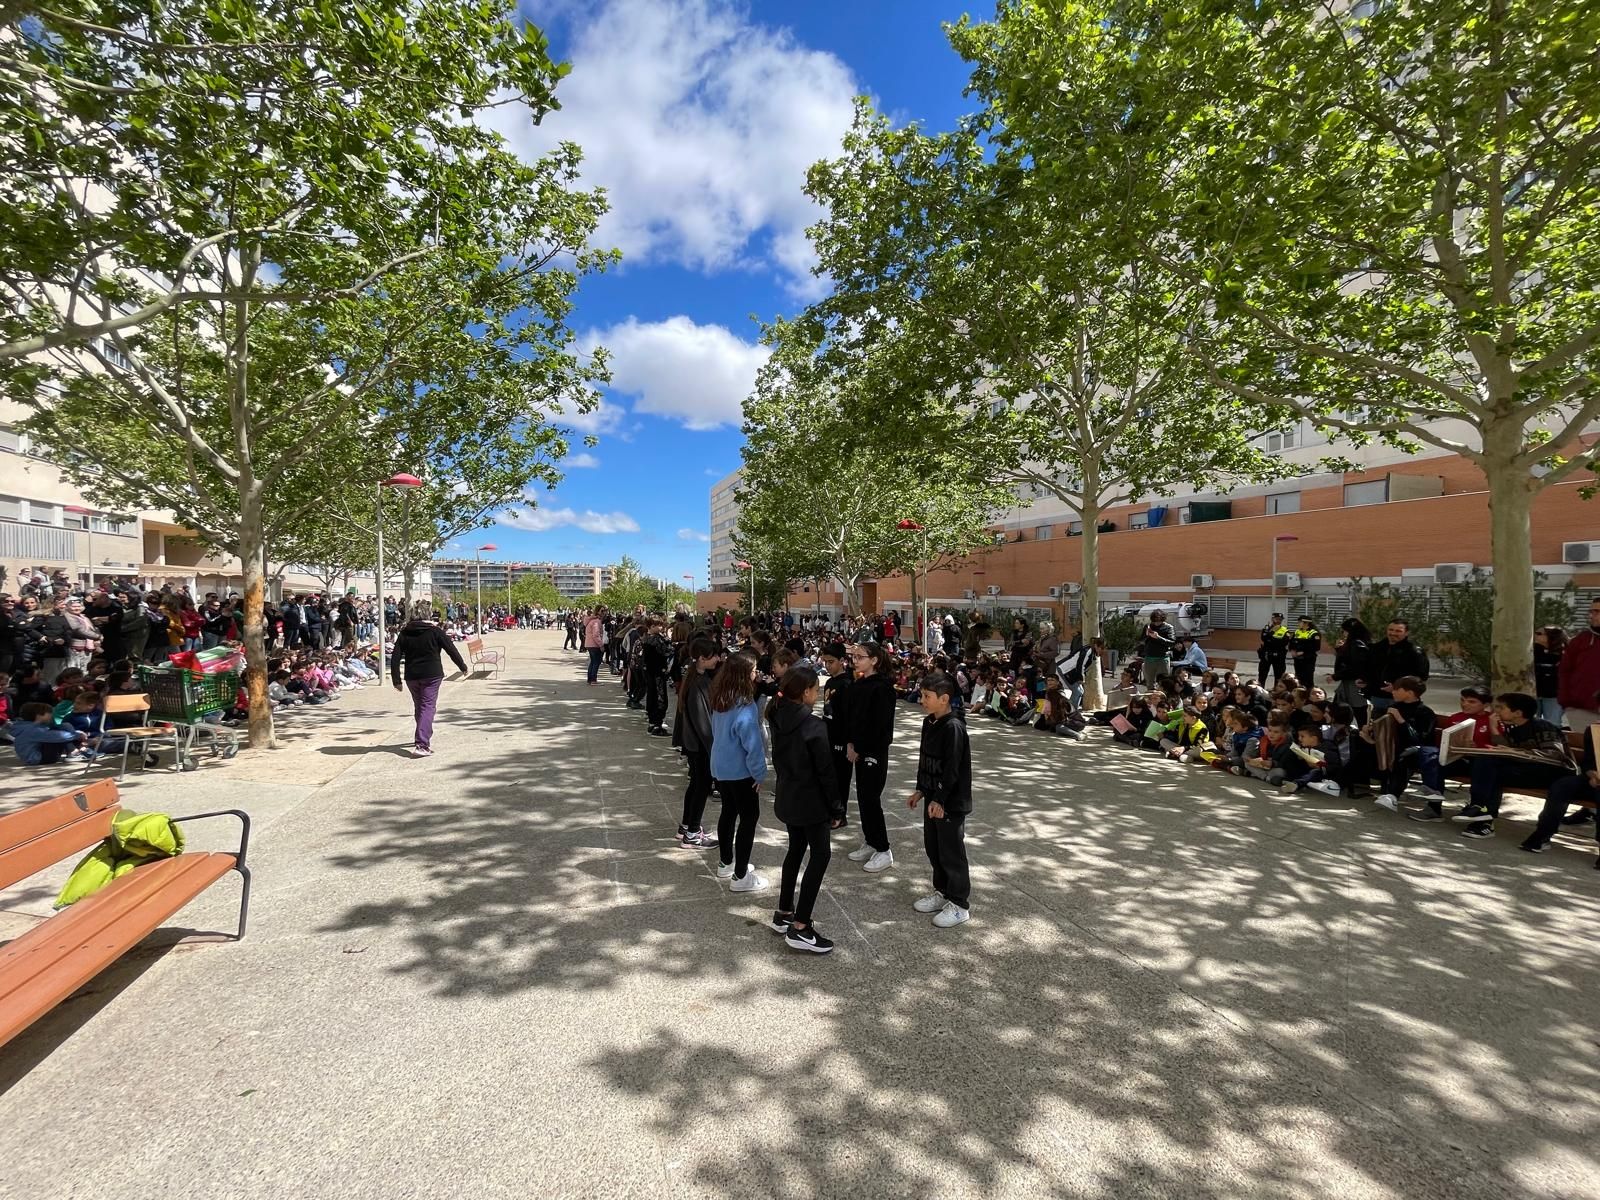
(406, 608)
(1511, 553)
(1094, 693)
(852, 595)
(255, 641)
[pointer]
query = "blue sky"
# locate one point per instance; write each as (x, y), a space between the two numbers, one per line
(700, 118)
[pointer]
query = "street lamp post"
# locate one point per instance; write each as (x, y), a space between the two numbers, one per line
(405, 483)
(477, 555)
(1282, 537)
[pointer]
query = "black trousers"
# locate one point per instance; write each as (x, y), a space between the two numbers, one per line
(1573, 789)
(1304, 669)
(699, 789)
(803, 839)
(736, 827)
(945, 840)
(655, 699)
(571, 642)
(842, 770)
(636, 685)
(870, 779)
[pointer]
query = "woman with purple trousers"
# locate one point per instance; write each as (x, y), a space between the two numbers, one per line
(421, 645)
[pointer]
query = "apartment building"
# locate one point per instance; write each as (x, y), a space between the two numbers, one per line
(721, 574)
(46, 522)
(1411, 520)
(459, 576)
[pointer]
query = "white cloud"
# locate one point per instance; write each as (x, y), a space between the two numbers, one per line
(700, 124)
(540, 520)
(693, 535)
(580, 461)
(697, 374)
(602, 418)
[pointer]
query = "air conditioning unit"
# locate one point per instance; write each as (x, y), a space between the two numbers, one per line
(1201, 583)
(1055, 593)
(968, 594)
(1286, 579)
(1580, 552)
(1452, 572)
(1071, 587)
(994, 589)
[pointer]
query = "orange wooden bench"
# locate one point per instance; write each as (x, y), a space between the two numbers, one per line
(1574, 740)
(53, 960)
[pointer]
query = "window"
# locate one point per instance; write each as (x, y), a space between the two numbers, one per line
(10, 509)
(1283, 502)
(1374, 491)
(73, 520)
(43, 514)
(1280, 441)
(10, 439)
(1074, 528)
(1041, 533)
(1139, 521)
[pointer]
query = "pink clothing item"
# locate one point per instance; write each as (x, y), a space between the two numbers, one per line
(594, 634)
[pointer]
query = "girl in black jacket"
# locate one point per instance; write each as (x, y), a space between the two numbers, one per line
(869, 731)
(806, 800)
(693, 736)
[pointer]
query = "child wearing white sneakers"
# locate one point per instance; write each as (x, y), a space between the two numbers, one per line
(944, 788)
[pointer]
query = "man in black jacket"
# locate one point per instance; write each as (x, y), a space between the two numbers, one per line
(420, 646)
(1391, 659)
(655, 657)
(944, 788)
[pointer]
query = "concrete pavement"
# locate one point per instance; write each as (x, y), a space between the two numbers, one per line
(491, 973)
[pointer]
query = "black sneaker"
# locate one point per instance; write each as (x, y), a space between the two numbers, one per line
(1533, 847)
(781, 921)
(1583, 816)
(1428, 812)
(659, 731)
(1473, 814)
(808, 939)
(1483, 829)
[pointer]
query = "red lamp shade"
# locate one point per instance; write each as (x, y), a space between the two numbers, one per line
(402, 481)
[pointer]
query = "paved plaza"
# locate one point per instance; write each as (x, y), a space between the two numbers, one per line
(492, 973)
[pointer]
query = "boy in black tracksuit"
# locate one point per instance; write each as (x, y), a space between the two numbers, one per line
(655, 656)
(944, 788)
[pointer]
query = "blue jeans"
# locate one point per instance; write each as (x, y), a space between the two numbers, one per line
(595, 653)
(1550, 709)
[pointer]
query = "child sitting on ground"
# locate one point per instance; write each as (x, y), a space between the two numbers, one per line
(1312, 748)
(1275, 759)
(37, 741)
(1186, 739)
(1243, 737)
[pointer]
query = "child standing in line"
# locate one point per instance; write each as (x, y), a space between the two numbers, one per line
(806, 799)
(738, 764)
(944, 788)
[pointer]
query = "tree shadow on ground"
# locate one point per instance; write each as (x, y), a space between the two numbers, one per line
(1176, 983)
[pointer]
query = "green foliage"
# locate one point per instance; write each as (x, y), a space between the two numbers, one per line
(315, 268)
(1377, 603)
(537, 592)
(823, 494)
(1468, 625)
(1121, 633)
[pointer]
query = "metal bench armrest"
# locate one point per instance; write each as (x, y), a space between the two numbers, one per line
(239, 857)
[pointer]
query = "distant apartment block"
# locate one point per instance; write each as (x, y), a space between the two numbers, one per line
(574, 580)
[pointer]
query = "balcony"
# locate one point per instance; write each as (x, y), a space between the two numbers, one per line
(37, 543)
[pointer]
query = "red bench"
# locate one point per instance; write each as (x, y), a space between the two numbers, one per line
(53, 960)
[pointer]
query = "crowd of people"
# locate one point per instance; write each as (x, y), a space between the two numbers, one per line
(65, 648)
(746, 691)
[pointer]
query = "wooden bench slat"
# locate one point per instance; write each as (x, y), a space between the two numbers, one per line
(20, 861)
(41, 818)
(65, 952)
